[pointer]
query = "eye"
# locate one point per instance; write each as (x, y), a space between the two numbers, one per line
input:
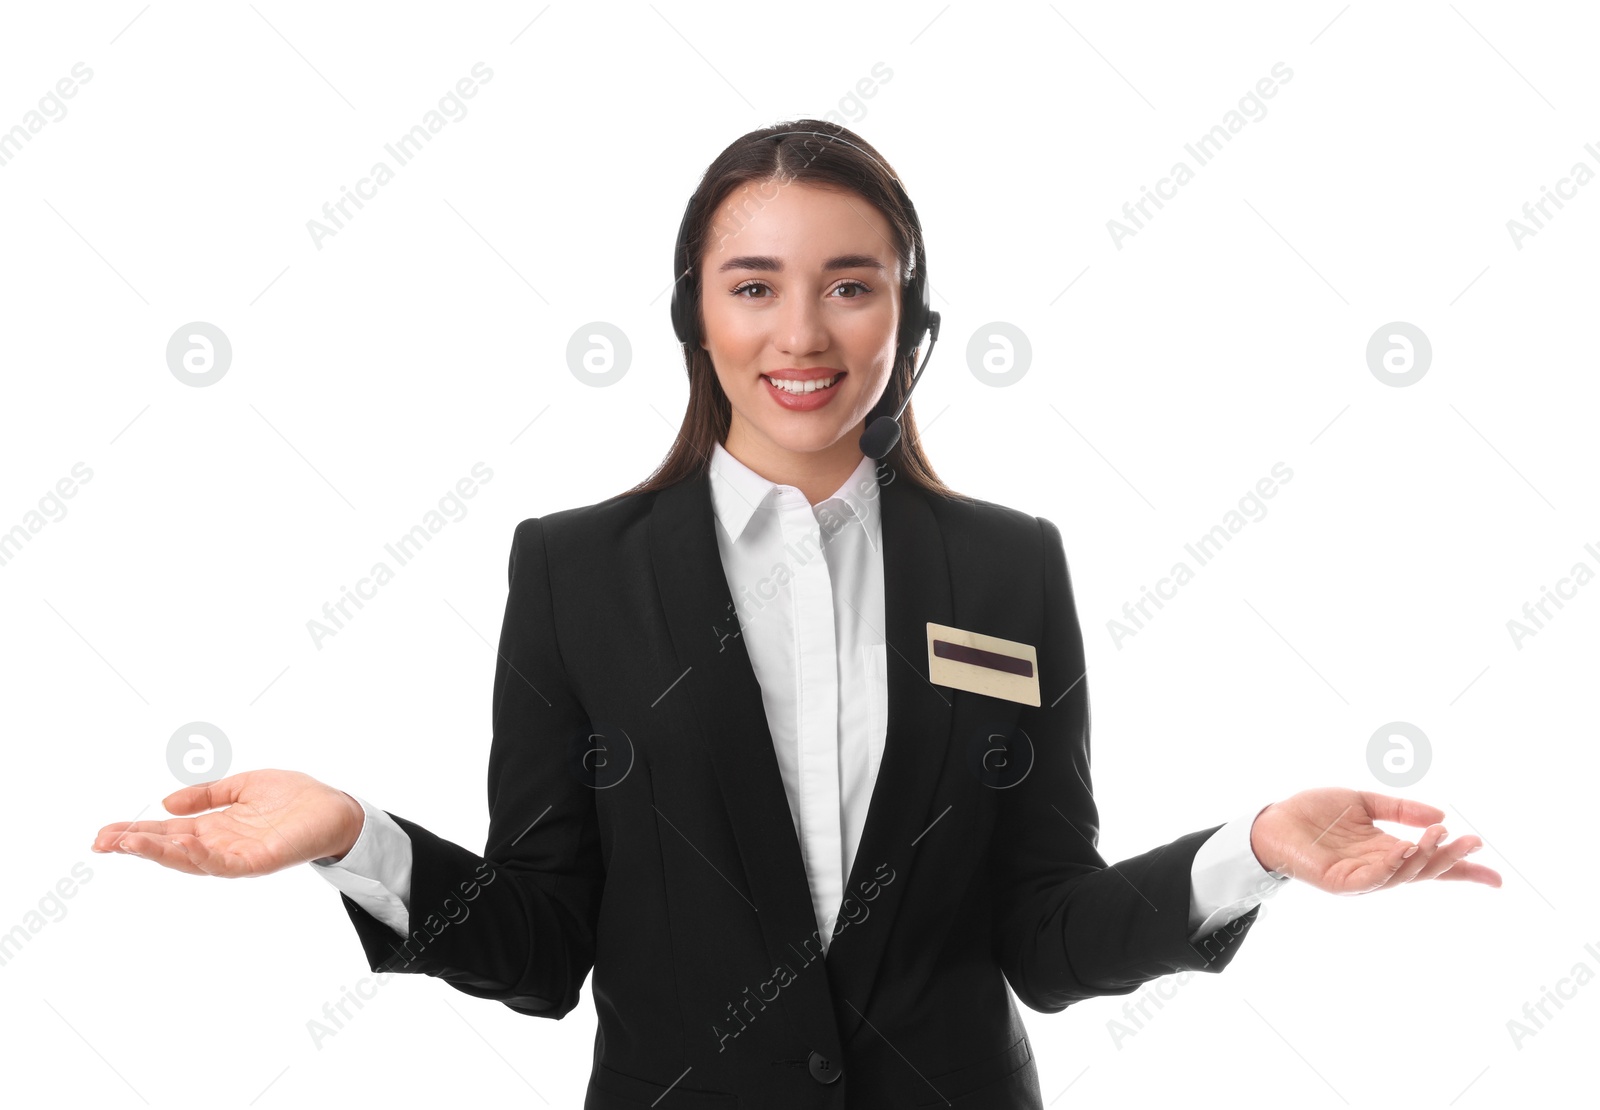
(861, 288)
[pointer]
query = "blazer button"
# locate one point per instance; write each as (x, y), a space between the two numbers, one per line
(824, 1070)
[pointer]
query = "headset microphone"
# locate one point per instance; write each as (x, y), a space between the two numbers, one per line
(883, 433)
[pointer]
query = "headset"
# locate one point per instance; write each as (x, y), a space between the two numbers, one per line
(916, 313)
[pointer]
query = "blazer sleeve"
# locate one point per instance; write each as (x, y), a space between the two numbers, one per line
(1067, 926)
(517, 923)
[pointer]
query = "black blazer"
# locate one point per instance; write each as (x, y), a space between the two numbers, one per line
(638, 827)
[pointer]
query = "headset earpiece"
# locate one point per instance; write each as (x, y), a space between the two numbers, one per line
(682, 301)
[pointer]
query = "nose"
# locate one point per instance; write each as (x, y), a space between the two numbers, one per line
(801, 328)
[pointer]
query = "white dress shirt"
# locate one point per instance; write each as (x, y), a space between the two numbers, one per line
(807, 581)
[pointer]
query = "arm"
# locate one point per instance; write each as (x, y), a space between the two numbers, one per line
(517, 923)
(1227, 879)
(376, 871)
(1069, 927)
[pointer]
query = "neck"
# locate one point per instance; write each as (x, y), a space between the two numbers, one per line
(816, 474)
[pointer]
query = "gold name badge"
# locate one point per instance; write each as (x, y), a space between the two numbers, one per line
(983, 664)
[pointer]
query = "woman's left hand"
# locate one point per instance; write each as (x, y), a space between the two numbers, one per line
(1327, 838)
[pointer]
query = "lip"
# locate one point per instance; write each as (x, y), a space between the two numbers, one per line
(803, 402)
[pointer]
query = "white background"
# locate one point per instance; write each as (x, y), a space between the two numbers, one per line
(430, 334)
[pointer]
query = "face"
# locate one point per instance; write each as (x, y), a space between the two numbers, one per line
(799, 282)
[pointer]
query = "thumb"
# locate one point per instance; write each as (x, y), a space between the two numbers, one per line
(206, 795)
(1404, 811)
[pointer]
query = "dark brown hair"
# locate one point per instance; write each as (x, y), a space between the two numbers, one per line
(818, 161)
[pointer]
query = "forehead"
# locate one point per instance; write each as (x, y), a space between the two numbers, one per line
(799, 223)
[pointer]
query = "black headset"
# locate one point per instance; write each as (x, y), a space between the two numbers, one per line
(916, 313)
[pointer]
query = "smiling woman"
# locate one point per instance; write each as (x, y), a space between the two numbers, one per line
(810, 855)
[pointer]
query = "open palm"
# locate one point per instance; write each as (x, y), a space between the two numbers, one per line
(1326, 837)
(272, 820)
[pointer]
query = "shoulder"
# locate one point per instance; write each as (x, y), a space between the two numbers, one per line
(586, 533)
(974, 520)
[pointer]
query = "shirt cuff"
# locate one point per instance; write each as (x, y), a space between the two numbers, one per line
(1227, 880)
(376, 872)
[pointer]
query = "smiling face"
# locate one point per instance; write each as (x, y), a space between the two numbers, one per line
(799, 283)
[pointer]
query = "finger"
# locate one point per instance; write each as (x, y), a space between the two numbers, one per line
(1468, 872)
(109, 838)
(1405, 811)
(1448, 856)
(1364, 878)
(206, 795)
(1426, 845)
(159, 850)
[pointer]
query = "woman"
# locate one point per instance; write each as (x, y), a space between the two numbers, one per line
(791, 745)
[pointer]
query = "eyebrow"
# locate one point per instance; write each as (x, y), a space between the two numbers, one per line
(768, 262)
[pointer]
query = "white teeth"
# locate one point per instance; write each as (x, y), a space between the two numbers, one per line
(803, 387)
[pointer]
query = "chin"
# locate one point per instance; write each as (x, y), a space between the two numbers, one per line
(813, 437)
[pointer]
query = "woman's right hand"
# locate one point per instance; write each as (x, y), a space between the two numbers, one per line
(273, 820)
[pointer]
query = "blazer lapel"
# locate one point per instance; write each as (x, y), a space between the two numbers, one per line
(721, 684)
(717, 677)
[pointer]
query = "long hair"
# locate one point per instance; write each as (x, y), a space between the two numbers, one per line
(824, 163)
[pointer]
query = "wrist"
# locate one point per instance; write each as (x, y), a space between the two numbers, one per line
(1265, 855)
(350, 828)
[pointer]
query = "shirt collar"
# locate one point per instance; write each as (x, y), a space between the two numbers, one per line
(737, 492)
